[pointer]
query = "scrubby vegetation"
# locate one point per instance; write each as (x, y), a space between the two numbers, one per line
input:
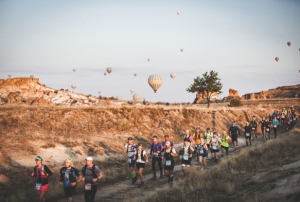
(235, 102)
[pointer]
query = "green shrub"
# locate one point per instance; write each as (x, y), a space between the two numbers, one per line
(235, 102)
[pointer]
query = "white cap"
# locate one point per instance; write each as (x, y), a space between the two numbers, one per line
(168, 143)
(89, 158)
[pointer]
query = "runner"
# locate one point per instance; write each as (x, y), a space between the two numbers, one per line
(167, 139)
(156, 148)
(248, 130)
(207, 135)
(130, 150)
(197, 138)
(141, 158)
(215, 143)
(188, 136)
(225, 143)
(202, 150)
(254, 123)
(268, 128)
(90, 174)
(234, 131)
(41, 172)
(288, 122)
(263, 127)
(282, 116)
(67, 178)
(169, 155)
(186, 153)
(275, 124)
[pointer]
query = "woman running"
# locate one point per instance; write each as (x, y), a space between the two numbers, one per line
(41, 172)
(202, 153)
(186, 153)
(141, 158)
(225, 143)
(169, 155)
(268, 128)
(215, 143)
(263, 127)
(248, 134)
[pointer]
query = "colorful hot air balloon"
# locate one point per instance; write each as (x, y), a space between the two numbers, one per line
(181, 50)
(172, 75)
(277, 59)
(31, 76)
(132, 90)
(289, 43)
(148, 59)
(178, 13)
(137, 97)
(119, 98)
(9, 76)
(155, 81)
(73, 86)
(74, 70)
(99, 92)
(104, 73)
(134, 74)
(109, 69)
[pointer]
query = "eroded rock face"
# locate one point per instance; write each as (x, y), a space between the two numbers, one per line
(201, 97)
(30, 92)
(233, 93)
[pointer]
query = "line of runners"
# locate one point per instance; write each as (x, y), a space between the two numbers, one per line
(162, 152)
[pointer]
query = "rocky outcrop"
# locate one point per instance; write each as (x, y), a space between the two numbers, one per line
(280, 92)
(233, 93)
(30, 92)
(202, 98)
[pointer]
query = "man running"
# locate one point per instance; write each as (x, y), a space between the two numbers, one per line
(253, 125)
(169, 155)
(248, 130)
(91, 174)
(197, 138)
(167, 139)
(41, 172)
(275, 124)
(156, 148)
(268, 128)
(225, 144)
(130, 149)
(234, 132)
(207, 136)
(263, 127)
(67, 178)
(186, 153)
(141, 158)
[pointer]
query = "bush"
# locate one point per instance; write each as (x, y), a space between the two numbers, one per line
(235, 102)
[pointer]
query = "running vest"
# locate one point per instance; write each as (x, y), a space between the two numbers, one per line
(201, 150)
(225, 138)
(197, 138)
(143, 158)
(94, 175)
(207, 137)
(253, 123)
(70, 177)
(167, 154)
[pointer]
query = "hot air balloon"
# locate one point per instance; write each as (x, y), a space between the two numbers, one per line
(74, 70)
(155, 81)
(137, 97)
(99, 92)
(172, 75)
(178, 13)
(289, 43)
(9, 76)
(299, 49)
(277, 59)
(119, 98)
(104, 74)
(181, 50)
(134, 74)
(73, 86)
(132, 90)
(148, 59)
(31, 76)
(109, 69)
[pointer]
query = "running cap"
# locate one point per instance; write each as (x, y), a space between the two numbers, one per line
(233, 122)
(130, 138)
(89, 158)
(140, 144)
(207, 128)
(70, 160)
(168, 143)
(38, 158)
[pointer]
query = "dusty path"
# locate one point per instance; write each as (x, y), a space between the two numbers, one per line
(124, 191)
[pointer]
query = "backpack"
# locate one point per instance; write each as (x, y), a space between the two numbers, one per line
(182, 150)
(72, 175)
(94, 175)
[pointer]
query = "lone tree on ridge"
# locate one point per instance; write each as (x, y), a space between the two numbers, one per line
(206, 85)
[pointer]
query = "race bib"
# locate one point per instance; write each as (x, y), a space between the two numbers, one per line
(214, 147)
(247, 134)
(253, 128)
(275, 126)
(88, 187)
(129, 160)
(185, 157)
(38, 185)
(155, 154)
(267, 129)
(201, 151)
(168, 162)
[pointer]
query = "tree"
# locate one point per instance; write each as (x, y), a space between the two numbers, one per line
(206, 85)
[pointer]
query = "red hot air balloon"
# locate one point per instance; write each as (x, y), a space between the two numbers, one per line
(104, 73)
(134, 74)
(289, 43)
(277, 59)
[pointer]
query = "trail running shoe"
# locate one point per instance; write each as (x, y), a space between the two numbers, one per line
(171, 180)
(142, 183)
(134, 180)
(161, 176)
(153, 178)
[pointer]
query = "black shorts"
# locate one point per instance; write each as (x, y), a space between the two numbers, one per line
(69, 191)
(234, 138)
(140, 165)
(214, 150)
(186, 162)
(226, 148)
(208, 146)
(169, 167)
(132, 164)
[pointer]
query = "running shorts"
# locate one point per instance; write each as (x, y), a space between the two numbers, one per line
(69, 191)
(234, 138)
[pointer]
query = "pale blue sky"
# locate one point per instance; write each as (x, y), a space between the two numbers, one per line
(239, 39)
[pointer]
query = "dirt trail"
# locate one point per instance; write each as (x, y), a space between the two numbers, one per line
(124, 191)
